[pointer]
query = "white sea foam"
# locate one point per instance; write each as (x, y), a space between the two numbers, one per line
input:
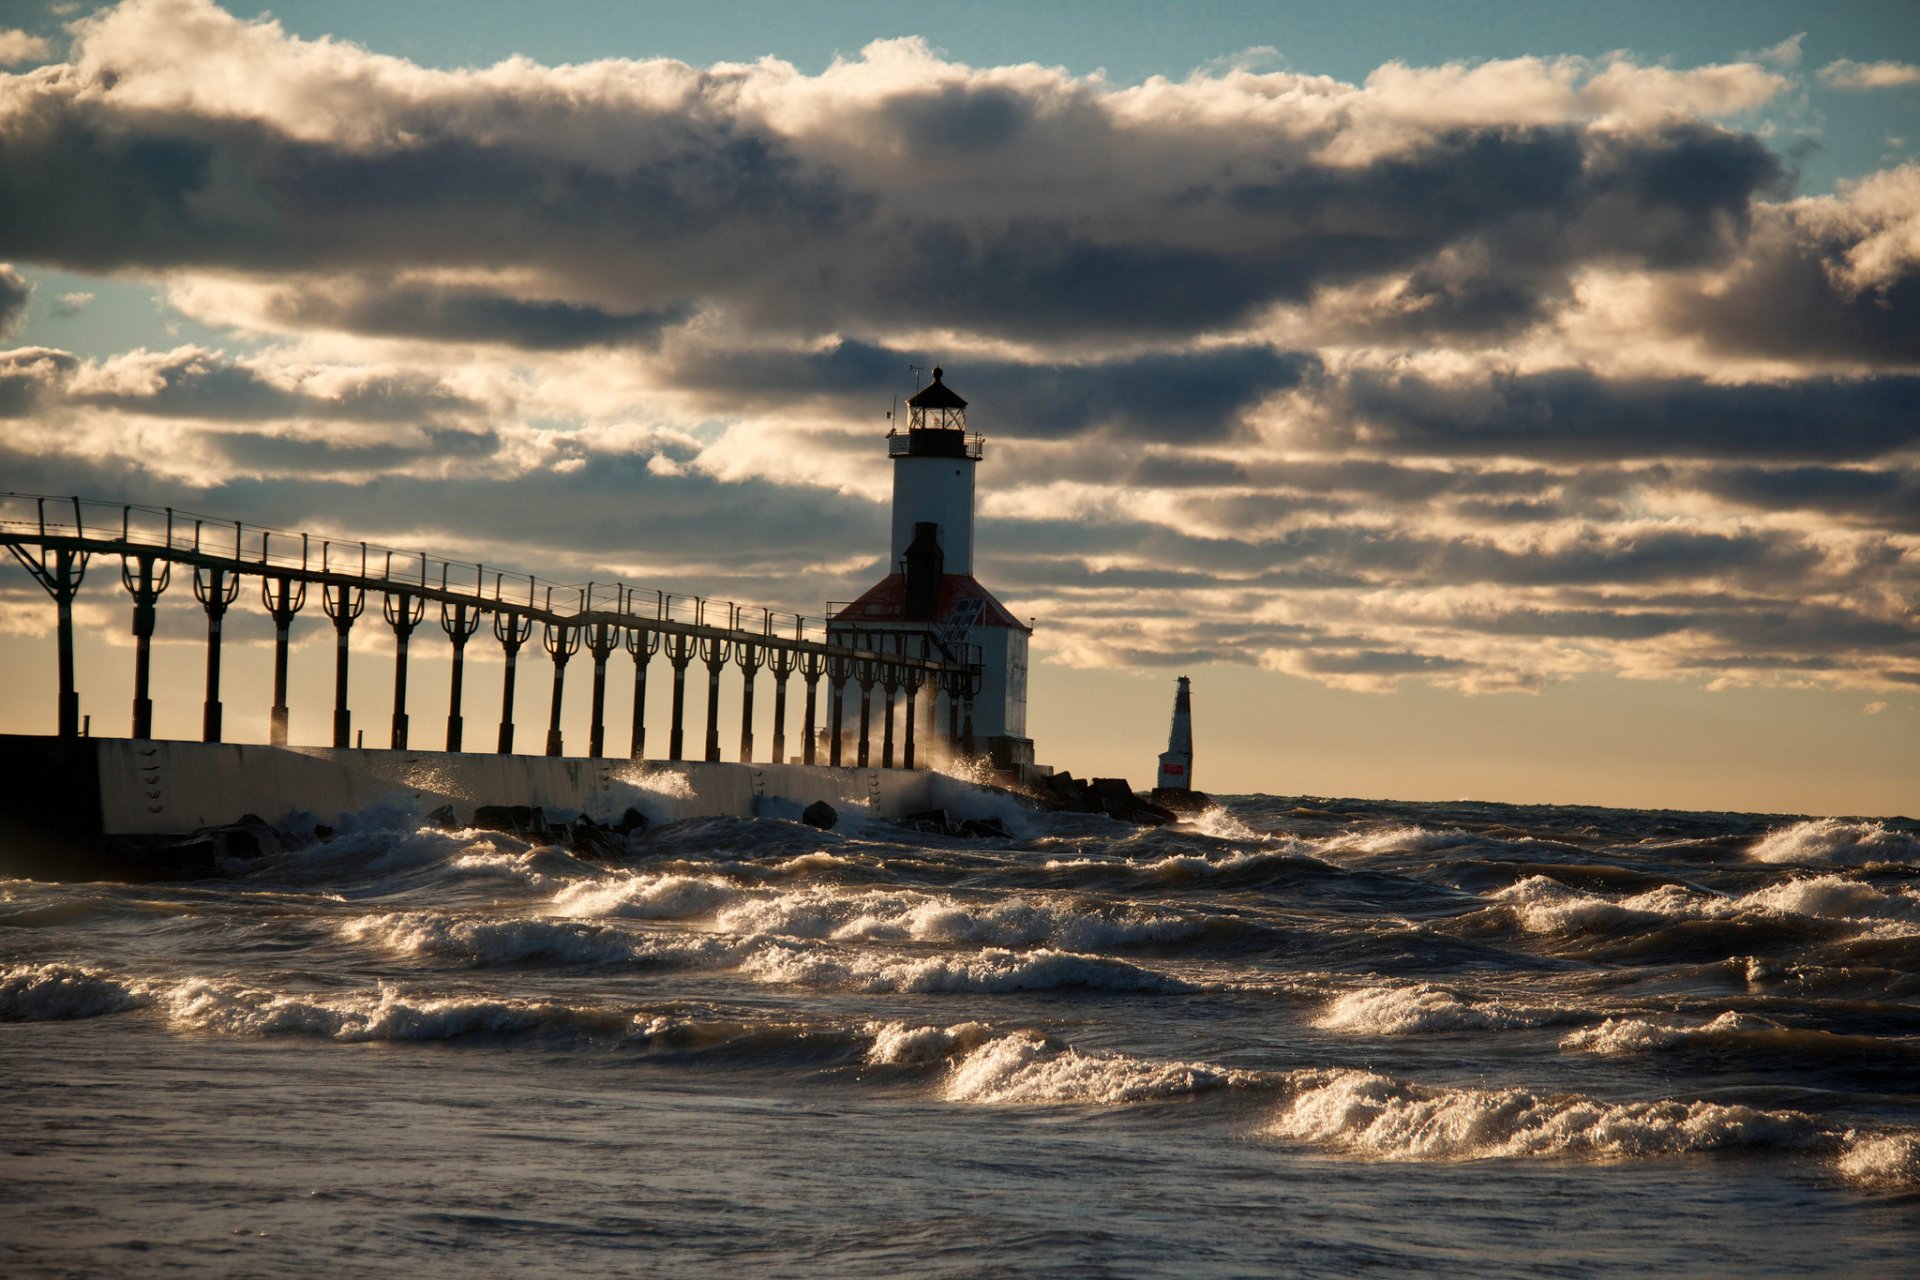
(1372, 1115)
(882, 915)
(232, 1009)
(1217, 821)
(649, 897)
(53, 992)
(1406, 1010)
(1836, 840)
(665, 783)
(489, 941)
(1544, 905)
(991, 970)
(1618, 1036)
(1880, 1159)
(1025, 1067)
(897, 1044)
(1028, 1069)
(1401, 839)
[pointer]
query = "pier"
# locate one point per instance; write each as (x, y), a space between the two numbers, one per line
(58, 539)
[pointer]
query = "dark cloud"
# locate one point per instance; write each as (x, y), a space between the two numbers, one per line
(15, 293)
(1377, 662)
(254, 451)
(620, 214)
(194, 383)
(1194, 396)
(1884, 498)
(455, 313)
(1572, 414)
(1792, 298)
(28, 375)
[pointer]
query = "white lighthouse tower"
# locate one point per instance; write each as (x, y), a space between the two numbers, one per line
(1176, 762)
(930, 589)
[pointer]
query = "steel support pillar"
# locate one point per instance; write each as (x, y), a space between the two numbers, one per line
(839, 671)
(679, 653)
(914, 682)
(811, 666)
(60, 572)
(890, 683)
(459, 622)
(403, 613)
(215, 589)
(146, 589)
(781, 663)
(714, 652)
(864, 674)
(282, 603)
(562, 642)
(512, 630)
(642, 645)
(750, 658)
(602, 639)
(343, 604)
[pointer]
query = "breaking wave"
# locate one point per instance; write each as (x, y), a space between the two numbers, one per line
(903, 916)
(490, 941)
(1543, 905)
(990, 971)
(1407, 1010)
(1836, 840)
(55, 992)
(1371, 1115)
(1025, 1067)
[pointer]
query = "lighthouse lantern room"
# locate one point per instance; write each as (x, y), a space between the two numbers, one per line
(930, 591)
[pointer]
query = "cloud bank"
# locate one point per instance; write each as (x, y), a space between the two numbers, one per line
(1483, 375)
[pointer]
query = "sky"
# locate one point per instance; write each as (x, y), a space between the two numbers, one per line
(1478, 401)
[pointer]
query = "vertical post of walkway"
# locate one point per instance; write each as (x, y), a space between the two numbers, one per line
(343, 604)
(145, 589)
(642, 645)
(403, 613)
(864, 672)
(215, 589)
(282, 604)
(914, 680)
(602, 639)
(562, 640)
(60, 571)
(679, 653)
(839, 671)
(890, 682)
(811, 665)
(750, 657)
(512, 630)
(67, 578)
(951, 683)
(781, 662)
(459, 623)
(714, 652)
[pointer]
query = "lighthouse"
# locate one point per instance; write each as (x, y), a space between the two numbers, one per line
(1176, 762)
(930, 596)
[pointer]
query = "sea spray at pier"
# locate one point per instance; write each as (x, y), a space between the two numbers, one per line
(1217, 1047)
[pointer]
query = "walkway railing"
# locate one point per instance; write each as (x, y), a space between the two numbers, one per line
(55, 538)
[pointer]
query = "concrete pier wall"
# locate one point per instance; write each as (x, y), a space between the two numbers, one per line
(158, 788)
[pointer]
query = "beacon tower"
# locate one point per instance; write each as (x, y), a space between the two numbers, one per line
(930, 595)
(1176, 762)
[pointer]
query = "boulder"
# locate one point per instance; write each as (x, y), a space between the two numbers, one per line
(819, 814)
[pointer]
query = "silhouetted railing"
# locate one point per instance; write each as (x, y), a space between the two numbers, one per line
(55, 538)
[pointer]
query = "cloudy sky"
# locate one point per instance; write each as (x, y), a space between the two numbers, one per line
(1497, 401)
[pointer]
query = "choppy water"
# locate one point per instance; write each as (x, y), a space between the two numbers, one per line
(1291, 1037)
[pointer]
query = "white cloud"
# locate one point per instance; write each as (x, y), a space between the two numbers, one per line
(1848, 74)
(18, 46)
